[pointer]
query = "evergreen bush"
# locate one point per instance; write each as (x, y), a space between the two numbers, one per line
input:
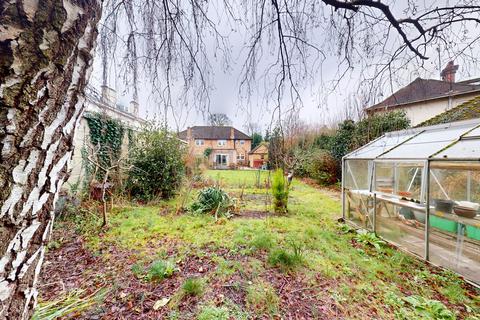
(279, 192)
(157, 164)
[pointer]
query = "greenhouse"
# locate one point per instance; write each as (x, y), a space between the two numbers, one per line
(387, 184)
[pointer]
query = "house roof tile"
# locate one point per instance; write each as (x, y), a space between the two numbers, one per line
(213, 133)
(424, 89)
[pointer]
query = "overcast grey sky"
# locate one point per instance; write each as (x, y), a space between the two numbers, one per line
(321, 104)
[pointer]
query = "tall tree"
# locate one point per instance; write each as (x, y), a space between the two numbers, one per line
(219, 119)
(45, 55)
(256, 139)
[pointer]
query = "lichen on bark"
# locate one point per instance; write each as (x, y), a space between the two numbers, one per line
(45, 57)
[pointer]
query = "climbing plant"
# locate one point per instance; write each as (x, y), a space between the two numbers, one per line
(207, 152)
(106, 136)
(131, 139)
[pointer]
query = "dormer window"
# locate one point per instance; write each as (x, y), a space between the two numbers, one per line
(222, 143)
(199, 142)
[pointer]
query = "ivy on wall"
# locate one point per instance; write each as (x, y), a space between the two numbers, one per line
(106, 136)
(131, 138)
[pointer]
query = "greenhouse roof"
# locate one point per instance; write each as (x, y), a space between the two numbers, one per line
(456, 140)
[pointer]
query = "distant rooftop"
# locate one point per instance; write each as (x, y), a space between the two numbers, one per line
(425, 89)
(213, 133)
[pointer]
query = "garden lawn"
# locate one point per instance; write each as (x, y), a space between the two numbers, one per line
(158, 262)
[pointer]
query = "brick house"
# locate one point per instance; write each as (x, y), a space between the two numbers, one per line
(229, 146)
(423, 99)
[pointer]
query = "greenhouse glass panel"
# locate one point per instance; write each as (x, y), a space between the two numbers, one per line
(357, 174)
(474, 133)
(454, 234)
(402, 179)
(403, 225)
(426, 143)
(381, 145)
(359, 208)
(462, 149)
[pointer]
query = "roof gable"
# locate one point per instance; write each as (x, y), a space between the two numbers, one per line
(214, 133)
(261, 148)
(424, 89)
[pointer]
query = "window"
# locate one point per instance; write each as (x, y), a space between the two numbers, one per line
(222, 142)
(199, 142)
(242, 141)
(240, 156)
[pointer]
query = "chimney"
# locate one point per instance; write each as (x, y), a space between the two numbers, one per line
(448, 74)
(189, 134)
(232, 133)
(109, 96)
(133, 108)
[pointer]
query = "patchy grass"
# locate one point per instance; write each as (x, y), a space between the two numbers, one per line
(262, 298)
(242, 267)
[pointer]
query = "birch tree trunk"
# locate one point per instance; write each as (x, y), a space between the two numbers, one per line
(45, 58)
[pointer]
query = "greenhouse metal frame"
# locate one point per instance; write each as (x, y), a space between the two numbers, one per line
(387, 184)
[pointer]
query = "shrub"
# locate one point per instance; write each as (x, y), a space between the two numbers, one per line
(158, 162)
(322, 167)
(160, 270)
(279, 192)
(212, 200)
(262, 298)
(341, 142)
(193, 287)
(374, 126)
(351, 135)
(317, 164)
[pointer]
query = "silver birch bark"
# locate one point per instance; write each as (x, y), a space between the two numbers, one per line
(45, 58)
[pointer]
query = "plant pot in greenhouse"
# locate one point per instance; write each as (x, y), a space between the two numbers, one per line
(419, 216)
(473, 232)
(407, 213)
(443, 224)
(465, 212)
(404, 194)
(443, 205)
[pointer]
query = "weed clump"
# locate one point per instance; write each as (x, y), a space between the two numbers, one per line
(193, 287)
(287, 260)
(160, 270)
(370, 239)
(213, 200)
(262, 298)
